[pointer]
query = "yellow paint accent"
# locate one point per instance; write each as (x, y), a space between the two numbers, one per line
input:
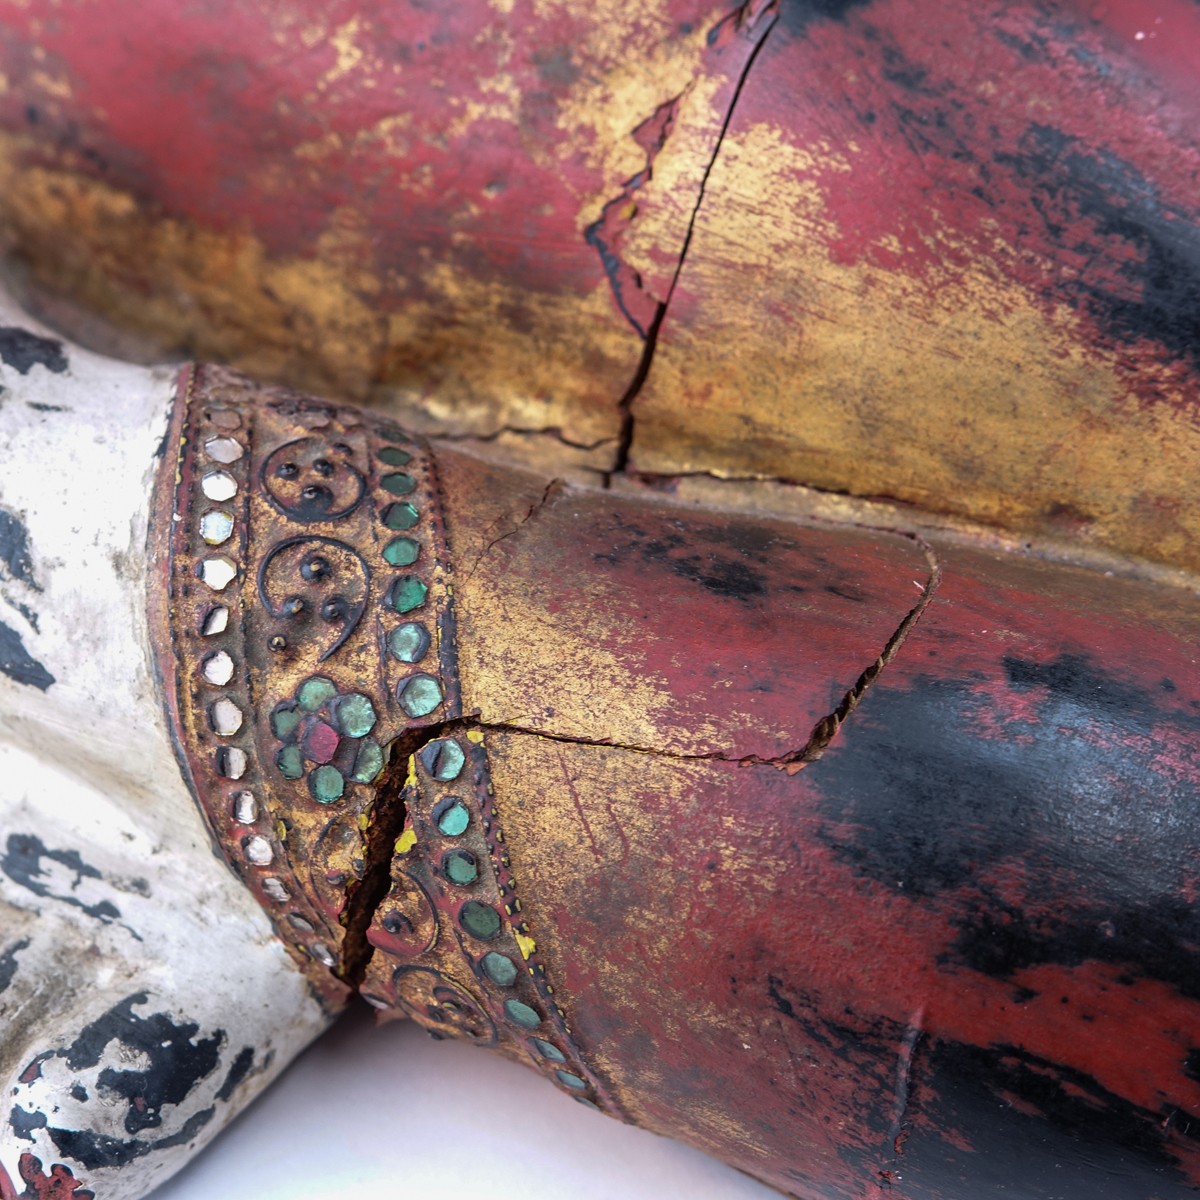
(525, 944)
(475, 735)
(281, 832)
(406, 841)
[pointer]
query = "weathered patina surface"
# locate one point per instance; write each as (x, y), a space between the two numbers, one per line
(944, 253)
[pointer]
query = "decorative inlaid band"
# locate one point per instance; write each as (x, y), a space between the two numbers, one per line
(305, 640)
(307, 627)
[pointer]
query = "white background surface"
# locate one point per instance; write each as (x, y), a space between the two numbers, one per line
(388, 1114)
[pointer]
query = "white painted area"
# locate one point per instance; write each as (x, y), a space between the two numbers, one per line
(389, 1114)
(87, 769)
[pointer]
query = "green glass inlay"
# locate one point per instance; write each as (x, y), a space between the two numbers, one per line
(398, 483)
(394, 456)
(326, 784)
(400, 516)
(314, 691)
(369, 762)
(408, 592)
(284, 719)
(479, 920)
(289, 762)
(454, 819)
(401, 552)
(460, 867)
(409, 642)
(586, 1102)
(522, 1014)
(443, 759)
(572, 1081)
(354, 715)
(499, 968)
(420, 695)
(549, 1050)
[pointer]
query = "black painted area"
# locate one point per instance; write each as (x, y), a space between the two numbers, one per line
(167, 1062)
(16, 561)
(23, 350)
(18, 664)
(795, 16)
(8, 963)
(1034, 1130)
(238, 1070)
(1154, 291)
(24, 1124)
(26, 862)
(937, 790)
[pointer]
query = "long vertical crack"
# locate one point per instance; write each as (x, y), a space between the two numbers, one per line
(751, 18)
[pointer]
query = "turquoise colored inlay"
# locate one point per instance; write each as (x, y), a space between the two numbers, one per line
(289, 762)
(401, 552)
(454, 819)
(460, 867)
(548, 1050)
(398, 483)
(314, 691)
(479, 920)
(409, 642)
(522, 1014)
(369, 762)
(408, 592)
(354, 715)
(394, 456)
(499, 968)
(572, 1081)
(400, 516)
(326, 784)
(284, 719)
(419, 695)
(586, 1102)
(443, 759)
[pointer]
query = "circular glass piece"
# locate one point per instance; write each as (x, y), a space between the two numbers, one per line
(245, 808)
(400, 516)
(419, 695)
(548, 1050)
(452, 817)
(354, 715)
(284, 719)
(225, 717)
(321, 954)
(326, 784)
(218, 668)
(258, 850)
(218, 572)
(289, 762)
(409, 642)
(314, 691)
(401, 552)
(275, 890)
(479, 920)
(231, 762)
(216, 620)
(398, 483)
(219, 486)
(216, 526)
(394, 456)
(368, 763)
(224, 449)
(572, 1081)
(443, 759)
(460, 867)
(499, 968)
(407, 593)
(521, 1014)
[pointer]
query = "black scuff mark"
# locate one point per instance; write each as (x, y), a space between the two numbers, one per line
(46, 408)
(23, 863)
(796, 16)
(23, 350)
(18, 664)
(8, 963)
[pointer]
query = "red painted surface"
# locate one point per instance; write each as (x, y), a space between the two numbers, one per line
(60, 1184)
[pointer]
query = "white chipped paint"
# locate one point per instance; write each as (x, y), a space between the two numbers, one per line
(86, 769)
